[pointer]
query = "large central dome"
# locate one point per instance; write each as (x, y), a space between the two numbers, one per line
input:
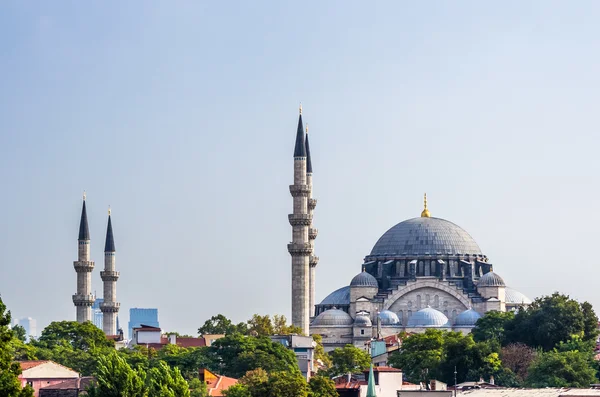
(426, 235)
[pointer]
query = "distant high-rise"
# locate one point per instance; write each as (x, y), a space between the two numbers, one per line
(139, 316)
(97, 313)
(30, 326)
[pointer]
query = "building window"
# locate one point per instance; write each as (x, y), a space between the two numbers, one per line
(30, 383)
(362, 331)
(418, 301)
(436, 301)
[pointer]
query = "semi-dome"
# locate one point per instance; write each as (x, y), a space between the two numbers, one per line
(338, 297)
(364, 279)
(514, 297)
(426, 235)
(333, 317)
(491, 279)
(388, 317)
(468, 318)
(427, 317)
(362, 321)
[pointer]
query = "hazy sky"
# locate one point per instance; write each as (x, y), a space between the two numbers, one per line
(182, 115)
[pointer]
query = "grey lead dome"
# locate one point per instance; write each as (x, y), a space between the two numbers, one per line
(364, 279)
(333, 317)
(426, 236)
(491, 279)
(428, 317)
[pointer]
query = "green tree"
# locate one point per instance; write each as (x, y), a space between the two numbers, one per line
(10, 385)
(492, 326)
(115, 378)
(198, 388)
(281, 327)
(349, 359)
(548, 321)
(234, 355)
(590, 322)
(320, 351)
(237, 390)
(322, 386)
(256, 382)
(561, 369)
(287, 384)
(163, 381)
(517, 357)
(260, 325)
(420, 355)
(220, 324)
(20, 332)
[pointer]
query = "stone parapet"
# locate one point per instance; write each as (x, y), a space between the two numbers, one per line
(299, 190)
(299, 249)
(312, 233)
(83, 300)
(110, 307)
(312, 203)
(300, 219)
(109, 275)
(83, 266)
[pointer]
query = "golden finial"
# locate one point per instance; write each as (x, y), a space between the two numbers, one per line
(84, 196)
(364, 268)
(109, 210)
(306, 128)
(425, 213)
(300, 108)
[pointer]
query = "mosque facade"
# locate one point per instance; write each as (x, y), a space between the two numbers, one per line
(424, 272)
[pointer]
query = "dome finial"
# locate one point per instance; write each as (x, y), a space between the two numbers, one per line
(364, 268)
(84, 195)
(425, 213)
(300, 108)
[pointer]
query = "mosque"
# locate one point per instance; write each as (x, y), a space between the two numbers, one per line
(424, 272)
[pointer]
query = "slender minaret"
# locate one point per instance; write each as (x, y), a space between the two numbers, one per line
(84, 299)
(110, 306)
(300, 248)
(312, 232)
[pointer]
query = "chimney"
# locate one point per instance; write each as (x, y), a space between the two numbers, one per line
(492, 380)
(172, 339)
(349, 378)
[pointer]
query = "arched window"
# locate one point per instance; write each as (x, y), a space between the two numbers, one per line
(446, 313)
(408, 315)
(436, 301)
(433, 272)
(418, 302)
(427, 268)
(427, 302)
(453, 314)
(421, 270)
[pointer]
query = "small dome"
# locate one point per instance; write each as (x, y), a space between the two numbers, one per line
(364, 279)
(338, 297)
(362, 321)
(388, 317)
(491, 279)
(428, 317)
(514, 297)
(333, 317)
(468, 318)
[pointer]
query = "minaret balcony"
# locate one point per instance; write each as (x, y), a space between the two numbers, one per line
(312, 233)
(83, 266)
(110, 307)
(312, 203)
(299, 190)
(299, 249)
(109, 275)
(83, 300)
(300, 219)
(313, 261)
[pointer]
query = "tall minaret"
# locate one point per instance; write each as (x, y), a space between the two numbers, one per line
(110, 306)
(300, 248)
(84, 299)
(312, 232)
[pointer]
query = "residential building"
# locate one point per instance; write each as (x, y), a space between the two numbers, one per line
(215, 384)
(152, 337)
(69, 388)
(39, 374)
(304, 349)
(139, 316)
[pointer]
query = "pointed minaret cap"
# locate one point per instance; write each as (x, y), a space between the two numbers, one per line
(308, 162)
(425, 213)
(300, 148)
(84, 230)
(371, 386)
(109, 246)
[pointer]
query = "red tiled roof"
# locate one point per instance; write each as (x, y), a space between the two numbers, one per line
(25, 365)
(215, 388)
(353, 384)
(386, 369)
(190, 342)
(72, 384)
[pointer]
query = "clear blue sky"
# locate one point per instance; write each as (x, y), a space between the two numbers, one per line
(181, 116)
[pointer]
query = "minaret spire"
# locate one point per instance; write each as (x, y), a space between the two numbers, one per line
(312, 232)
(371, 392)
(83, 299)
(300, 248)
(110, 306)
